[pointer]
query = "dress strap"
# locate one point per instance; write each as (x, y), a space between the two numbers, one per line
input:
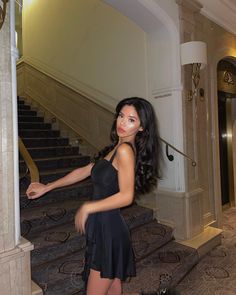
(114, 154)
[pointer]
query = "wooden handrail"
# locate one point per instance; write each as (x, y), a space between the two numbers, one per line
(33, 169)
(171, 157)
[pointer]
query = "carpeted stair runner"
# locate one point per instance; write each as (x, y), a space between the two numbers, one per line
(48, 222)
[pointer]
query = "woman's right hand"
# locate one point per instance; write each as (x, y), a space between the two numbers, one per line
(36, 190)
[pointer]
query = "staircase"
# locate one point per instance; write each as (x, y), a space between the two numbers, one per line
(48, 222)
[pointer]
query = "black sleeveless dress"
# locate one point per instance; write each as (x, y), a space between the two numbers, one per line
(108, 243)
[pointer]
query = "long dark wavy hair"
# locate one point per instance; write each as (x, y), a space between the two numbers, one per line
(147, 143)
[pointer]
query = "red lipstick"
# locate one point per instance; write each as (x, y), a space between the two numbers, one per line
(120, 130)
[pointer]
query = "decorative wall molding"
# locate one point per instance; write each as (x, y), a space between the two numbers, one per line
(99, 97)
(165, 92)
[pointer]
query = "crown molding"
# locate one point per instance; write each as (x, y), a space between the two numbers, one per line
(221, 12)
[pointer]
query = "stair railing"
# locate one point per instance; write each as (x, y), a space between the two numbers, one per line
(171, 157)
(31, 166)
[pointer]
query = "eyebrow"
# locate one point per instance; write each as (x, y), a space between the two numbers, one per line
(133, 117)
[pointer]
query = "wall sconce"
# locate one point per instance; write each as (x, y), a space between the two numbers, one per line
(194, 53)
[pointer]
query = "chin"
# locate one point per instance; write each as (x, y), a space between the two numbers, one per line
(121, 134)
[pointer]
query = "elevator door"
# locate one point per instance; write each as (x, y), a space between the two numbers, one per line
(222, 115)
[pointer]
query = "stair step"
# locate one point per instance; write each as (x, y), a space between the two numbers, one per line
(23, 107)
(57, 162)
(33, 119)
(55, 242)
(44, 152)
(27, 113)
(61, 276)
(39, 133)
(33, 125)
(149, 237)
(42, 142)
(20, 101)
(77, 191)
(43, 217)
(165, 267)
(136, 215)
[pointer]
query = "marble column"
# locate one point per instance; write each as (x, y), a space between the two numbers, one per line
(15, 274)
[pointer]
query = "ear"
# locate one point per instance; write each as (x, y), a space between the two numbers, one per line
(140, 128)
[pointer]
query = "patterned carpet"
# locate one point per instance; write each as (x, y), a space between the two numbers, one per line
(215, 274)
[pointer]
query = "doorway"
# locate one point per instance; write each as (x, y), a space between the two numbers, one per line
(225, 145)
(226, 72)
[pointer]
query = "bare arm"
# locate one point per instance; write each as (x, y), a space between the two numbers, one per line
(36, 190)
(126, 177)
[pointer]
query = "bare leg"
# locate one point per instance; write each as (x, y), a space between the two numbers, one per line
(115, 288)
(96, 284)
(101, 286)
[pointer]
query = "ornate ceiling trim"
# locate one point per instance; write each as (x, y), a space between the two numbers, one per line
(222, 12)
(3, 9)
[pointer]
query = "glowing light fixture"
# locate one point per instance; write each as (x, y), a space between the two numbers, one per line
(194, 53)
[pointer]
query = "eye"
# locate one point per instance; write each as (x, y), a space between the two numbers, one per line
(131, 120)
(120, 115)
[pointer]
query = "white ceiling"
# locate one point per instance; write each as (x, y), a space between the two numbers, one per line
(222, 12)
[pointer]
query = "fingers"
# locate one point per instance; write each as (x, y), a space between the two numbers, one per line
(30, 188)
(79, 226)
(33, 195)
(35, 190)
(80, 220)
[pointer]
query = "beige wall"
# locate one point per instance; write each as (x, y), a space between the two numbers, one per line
(88, 45)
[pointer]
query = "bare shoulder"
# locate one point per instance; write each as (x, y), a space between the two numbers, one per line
(125, 151)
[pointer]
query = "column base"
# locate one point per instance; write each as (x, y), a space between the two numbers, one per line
(15, 269)
(36, 290)
(205, 241)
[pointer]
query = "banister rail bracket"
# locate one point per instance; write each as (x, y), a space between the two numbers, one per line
(171, 157)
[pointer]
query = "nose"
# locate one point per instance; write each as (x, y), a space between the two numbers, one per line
(123, 121)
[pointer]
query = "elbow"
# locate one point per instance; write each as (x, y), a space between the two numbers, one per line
(129, 199)
(129, 202)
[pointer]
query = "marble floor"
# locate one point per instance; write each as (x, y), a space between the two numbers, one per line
(215, 274)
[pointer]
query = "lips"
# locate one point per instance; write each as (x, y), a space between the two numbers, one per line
(120, 130)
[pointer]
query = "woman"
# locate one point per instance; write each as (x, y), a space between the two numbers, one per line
(131, 164)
